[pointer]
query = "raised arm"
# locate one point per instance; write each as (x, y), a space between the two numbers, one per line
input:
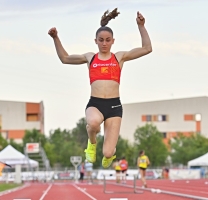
(63, 55)
(140, 51)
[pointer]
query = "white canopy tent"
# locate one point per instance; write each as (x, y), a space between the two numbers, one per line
(201, 161)
(11, 156)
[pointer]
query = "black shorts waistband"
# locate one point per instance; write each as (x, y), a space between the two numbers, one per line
(105, 99)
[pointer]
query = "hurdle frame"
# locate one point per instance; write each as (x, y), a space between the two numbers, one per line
(135, 190)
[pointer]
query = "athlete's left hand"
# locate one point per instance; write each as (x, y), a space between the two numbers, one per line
(140, 19)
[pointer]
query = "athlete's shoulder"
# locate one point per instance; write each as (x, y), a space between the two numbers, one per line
(120, 54)
(89, 56)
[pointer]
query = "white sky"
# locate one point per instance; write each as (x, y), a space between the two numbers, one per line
(31, 71)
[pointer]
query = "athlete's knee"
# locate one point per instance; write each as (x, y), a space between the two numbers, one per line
(93, 125)
(108, 153)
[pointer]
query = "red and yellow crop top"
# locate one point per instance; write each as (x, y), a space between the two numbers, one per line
(104, 69)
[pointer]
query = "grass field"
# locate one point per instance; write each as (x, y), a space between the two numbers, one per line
(7, 186)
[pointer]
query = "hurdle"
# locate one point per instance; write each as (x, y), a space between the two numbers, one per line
(135, 190)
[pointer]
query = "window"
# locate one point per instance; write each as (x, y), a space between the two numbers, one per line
(198, 117)
(188, 117)
(144, 118)
(162, 118)
(154, 118)
(32, 117)
(159, 118)
(164, 135)
(148, 118)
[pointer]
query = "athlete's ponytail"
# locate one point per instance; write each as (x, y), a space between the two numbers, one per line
(108, 16)
(105, 19)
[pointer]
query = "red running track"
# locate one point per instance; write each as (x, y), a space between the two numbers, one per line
(84, 191)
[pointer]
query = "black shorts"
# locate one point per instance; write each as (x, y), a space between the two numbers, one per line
(108, 107)
(142, 168)
(123, 170)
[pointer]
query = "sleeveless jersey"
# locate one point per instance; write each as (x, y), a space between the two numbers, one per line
(143, 161)
(117, 166)
(104, 69)
(124, 164)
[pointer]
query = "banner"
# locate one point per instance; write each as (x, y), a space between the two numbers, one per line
(151, 174)
(64, 176)
(32, 148)
(176, 174)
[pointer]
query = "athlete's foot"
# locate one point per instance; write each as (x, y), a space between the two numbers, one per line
(90, 152)
(106, 162)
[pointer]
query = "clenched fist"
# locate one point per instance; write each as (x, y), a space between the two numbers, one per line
(140, 19)
(53, 32)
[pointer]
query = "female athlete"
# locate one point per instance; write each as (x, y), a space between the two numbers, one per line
(104, 73)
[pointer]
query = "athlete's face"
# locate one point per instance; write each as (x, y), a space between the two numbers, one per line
(104, 41)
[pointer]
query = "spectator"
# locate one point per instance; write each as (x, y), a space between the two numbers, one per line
(82, 171)
(165, 173)
(89, 169)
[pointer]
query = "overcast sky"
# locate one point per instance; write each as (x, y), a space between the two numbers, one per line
(31, 71)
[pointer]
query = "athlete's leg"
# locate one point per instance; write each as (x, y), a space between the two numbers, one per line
(111, 134)
(124, 176)
(118, 176)
(94, 118)
(142, 175)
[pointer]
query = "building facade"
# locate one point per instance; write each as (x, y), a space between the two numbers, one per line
(16, 117)
(171, 117)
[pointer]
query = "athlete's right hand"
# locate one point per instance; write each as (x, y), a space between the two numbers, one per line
(53, 32)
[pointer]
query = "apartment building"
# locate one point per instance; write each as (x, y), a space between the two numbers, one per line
(186, 115)
(16, 117)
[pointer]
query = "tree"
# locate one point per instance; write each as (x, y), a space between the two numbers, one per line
(148, 138)
(184, 149)
(18, 147)
(34, 136)
(80, 133)
(124, 149)
(62, 147)
(50, 152)
(3, 142)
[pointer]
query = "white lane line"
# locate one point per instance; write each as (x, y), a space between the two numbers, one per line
(91, 197)
(21, 199)
(49, 187)
(165, 192)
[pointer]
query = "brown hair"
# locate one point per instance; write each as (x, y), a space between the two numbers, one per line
(141, 152)
(105, 19)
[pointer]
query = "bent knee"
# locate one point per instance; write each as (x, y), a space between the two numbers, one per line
(93, 124)
(108, 153)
